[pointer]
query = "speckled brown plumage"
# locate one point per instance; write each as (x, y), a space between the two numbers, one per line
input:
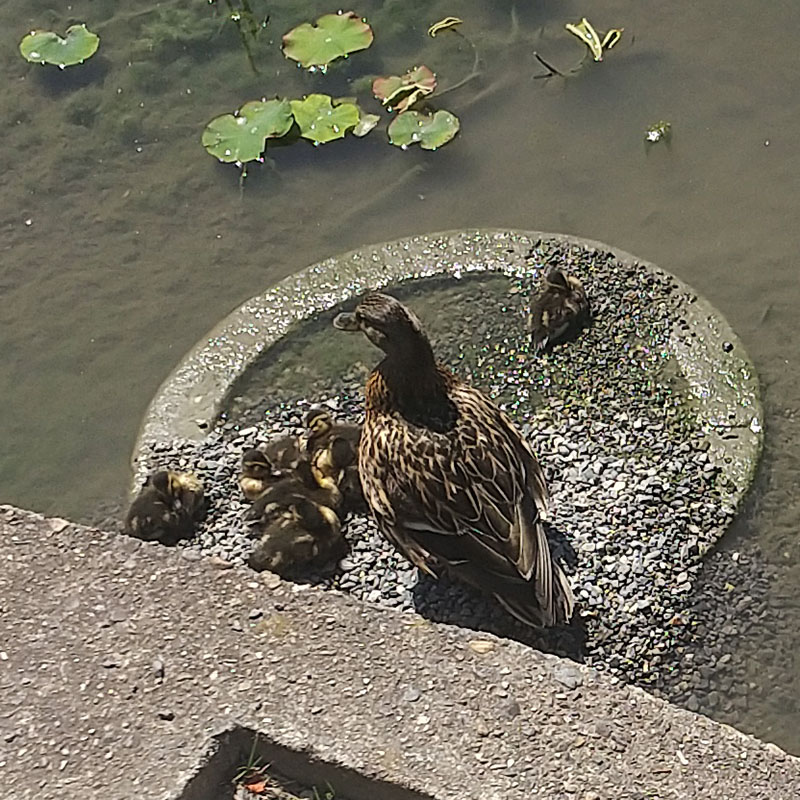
(560, 310)
(450, 481)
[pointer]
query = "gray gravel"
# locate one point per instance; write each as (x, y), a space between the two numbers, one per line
(636, 503)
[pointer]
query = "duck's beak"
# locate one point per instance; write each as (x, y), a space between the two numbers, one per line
(346, 322)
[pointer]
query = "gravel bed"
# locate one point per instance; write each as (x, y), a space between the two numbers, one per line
(636, 500)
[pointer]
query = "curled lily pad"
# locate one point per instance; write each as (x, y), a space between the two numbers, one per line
(242, 137)
(334, 36)
(403, 91)
(366, 124)
(320, 121)
(430, 130)
(46, 47)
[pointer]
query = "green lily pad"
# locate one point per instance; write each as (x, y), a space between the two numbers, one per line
(46, 47)
(243, 137)
(431, 131)
(334, 36)
(404, 90)
(321, 121)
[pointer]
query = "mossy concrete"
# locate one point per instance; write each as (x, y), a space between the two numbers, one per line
(121, 662)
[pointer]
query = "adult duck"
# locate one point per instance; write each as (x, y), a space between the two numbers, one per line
(449, 479)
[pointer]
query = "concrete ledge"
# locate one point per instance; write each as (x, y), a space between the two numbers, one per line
(121, 660)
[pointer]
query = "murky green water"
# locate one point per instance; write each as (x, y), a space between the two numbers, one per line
(123, 241)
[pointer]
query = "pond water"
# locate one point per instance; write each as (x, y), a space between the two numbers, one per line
(123, 242)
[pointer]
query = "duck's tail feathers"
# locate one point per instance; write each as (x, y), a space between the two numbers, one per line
(521, 601)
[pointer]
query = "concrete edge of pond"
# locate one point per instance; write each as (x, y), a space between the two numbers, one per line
(721, 377)
(123, 664)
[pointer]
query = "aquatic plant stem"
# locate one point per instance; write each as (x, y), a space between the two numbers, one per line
(474, 73)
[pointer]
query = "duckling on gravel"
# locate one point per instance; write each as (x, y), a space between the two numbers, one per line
(167, 508)
(322, 436)
(297, 526)
(560, 311)
(257, 474)
(449, 479)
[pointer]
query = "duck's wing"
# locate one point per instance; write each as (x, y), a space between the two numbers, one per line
(471, 500)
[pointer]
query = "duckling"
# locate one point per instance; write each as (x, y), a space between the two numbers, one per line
(257, 474)
(279, 496)
(449, 480)
(303, 536)
(167, 507)
(333, 451)
(321, 429)
(560, 311)
(284, 453)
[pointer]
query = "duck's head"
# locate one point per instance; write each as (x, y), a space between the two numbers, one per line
(318, 422)
(165, 482)
(255, 464)
(387, 323)
(559, 280)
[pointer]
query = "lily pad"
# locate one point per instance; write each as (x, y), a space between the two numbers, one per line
(366, 124)
(404, 90)
(320, 121)
(334, 36)
(46, 47)
(242, 137)
(430, 130)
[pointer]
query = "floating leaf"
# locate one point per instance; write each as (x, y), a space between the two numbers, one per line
(243, 137)
(333, 36)
(431, 131)
(321, 121)
(366, 124)
(443, 25)
(46, 47)
(404, 90)
(658, 131)
(589, 36)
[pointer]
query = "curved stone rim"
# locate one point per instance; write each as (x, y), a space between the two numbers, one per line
(712, 358)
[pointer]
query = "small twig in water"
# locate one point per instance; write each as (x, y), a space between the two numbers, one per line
(549, 67)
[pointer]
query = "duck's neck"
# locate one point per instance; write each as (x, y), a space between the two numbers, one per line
(411, 382)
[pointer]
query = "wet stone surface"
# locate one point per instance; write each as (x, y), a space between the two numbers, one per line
(637, 497)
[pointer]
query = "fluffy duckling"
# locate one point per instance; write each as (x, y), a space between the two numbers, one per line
(297, 525)
(257, 474)
(560, 311)
(449, 479)
(280, 495)
(332, 449)
(321, 429)
(302, 536)
(167, 508)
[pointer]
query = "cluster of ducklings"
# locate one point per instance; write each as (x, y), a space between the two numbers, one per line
(301, 487)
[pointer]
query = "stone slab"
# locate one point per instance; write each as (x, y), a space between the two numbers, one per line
(120, 661)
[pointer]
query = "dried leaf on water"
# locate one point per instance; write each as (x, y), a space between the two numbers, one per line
(443, 25)
(402, 91)
(585, 31)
